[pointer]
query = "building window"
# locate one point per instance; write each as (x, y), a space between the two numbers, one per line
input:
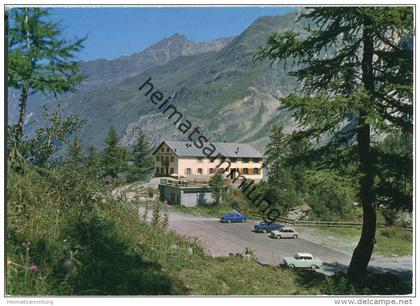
(233, 160)
(167, 158)
(172, 171)
(161, 170)
(256, 171)
(172, 159)
(162, 150)
(211, 170)
(256, 160)
(157, 157)
(200, 170)
(188, 171)
(157, 170)
(246, 160)
(168, 150)
(199, 160)
(245, 170)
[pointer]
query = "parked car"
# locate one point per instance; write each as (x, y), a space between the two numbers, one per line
(233, 216)
(267, 227)
(284, 232)
(302, 260)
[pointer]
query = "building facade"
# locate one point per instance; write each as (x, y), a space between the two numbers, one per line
(189, 196)
(183, 159)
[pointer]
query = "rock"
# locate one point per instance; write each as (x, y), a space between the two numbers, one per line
(247, 257)
(68, 264)
(174, 247)
(299, 212)
(404, 219)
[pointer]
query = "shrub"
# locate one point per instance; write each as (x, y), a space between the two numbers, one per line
(398, 233)
(394, 216)
(331, 197)
(150, 192)
(236, 199)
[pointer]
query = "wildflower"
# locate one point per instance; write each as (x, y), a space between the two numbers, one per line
(9, 262)
(26, 245)
(33, 268)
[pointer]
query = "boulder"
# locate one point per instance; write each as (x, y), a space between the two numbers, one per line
(299, 212)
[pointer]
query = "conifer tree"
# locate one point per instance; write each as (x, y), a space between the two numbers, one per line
(114, 158)
(39, 60)
(275, 156)
(165, 219)
(141, 158)
(354, 69)
(92, 159)
(156, 217)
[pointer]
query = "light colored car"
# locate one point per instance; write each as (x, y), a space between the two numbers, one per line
(302, 260)
(285, 232)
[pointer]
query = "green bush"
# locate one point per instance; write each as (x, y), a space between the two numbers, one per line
(395, 232)
(236, 199)
(331, 197)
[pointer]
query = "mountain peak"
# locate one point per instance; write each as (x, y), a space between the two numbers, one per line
(178, 36)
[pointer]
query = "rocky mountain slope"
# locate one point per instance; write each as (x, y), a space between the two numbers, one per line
(222, 91)
(102, 72)
(111, 71)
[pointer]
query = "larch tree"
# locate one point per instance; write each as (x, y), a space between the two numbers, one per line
(40, 59)
(354, 72)
(274, 155)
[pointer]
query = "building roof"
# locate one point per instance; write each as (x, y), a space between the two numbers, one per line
(227, 149)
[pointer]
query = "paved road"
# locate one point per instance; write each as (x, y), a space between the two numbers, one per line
(221, 239)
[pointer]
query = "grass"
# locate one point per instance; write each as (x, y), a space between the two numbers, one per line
(389, 241)
(67, 236)
(201, 210)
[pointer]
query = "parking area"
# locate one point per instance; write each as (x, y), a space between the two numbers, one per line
(221, 239)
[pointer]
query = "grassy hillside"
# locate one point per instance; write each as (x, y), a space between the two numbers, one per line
(67, 236)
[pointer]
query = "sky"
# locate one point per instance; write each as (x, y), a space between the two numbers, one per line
(113, 32)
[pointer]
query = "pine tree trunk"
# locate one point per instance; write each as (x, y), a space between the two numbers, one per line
(363, 252)
(19, 125)
(24, 94)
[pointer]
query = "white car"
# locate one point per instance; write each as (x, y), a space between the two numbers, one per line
(285, 232)
(302, 260)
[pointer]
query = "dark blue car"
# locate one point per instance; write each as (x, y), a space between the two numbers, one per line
(267, 227)
(233, 216)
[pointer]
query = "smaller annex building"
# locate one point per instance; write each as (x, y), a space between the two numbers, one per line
(177, 193)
